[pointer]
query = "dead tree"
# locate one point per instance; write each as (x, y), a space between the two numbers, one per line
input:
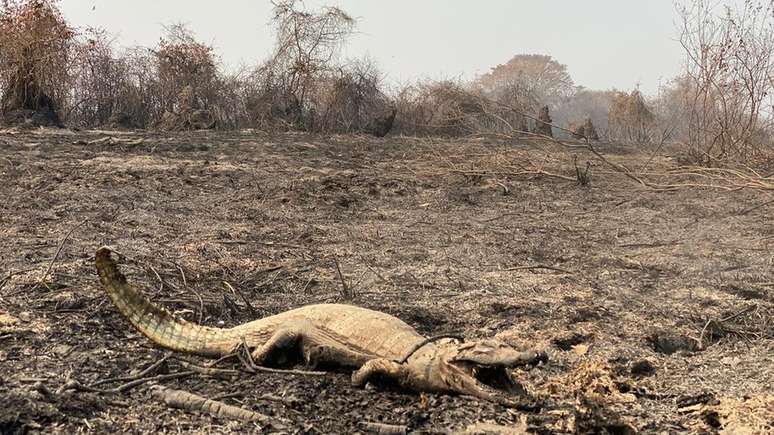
(543, 123)
(585, 131)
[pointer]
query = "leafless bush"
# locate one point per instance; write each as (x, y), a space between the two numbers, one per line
(240, 92)
(35, 50)
(257, 98)
(188, 78)
(302, 85)
(351, 100)
(176, 85)
(307, 45)
(100, 87)
(140, 99)
(449, 108)
(444, 108)
(729, 69)
(671, 111)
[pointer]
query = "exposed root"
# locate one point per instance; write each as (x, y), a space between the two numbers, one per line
(192, 402)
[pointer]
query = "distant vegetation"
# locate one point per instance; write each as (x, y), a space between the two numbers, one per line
(720, 107)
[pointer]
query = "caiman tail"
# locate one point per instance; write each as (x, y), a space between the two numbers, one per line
(154, 321)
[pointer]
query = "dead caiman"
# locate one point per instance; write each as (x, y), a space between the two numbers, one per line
(376, 345)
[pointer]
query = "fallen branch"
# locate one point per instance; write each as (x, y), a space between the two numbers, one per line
(718, 327)
(132, 384)
(735, 179)
(76, 385)
(752, 209)
(242, 296)
(195, 403)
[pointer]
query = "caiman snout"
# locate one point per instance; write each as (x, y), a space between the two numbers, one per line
(480, 369)
(494, 353)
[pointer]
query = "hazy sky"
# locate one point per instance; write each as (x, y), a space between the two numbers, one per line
(604, 43)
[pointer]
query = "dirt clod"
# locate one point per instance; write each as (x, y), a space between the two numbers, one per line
(668, 342)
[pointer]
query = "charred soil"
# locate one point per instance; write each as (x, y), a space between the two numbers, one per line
(655, 307)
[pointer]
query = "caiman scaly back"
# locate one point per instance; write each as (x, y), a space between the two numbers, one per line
(375, 344)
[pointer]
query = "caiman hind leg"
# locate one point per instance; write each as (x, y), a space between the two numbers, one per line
(283, 345)
(302, 338)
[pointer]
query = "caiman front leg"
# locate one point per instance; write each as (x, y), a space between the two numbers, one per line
(380, 368)
(316, 347)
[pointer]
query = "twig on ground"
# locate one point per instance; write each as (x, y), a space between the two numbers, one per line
(192, 402)
(198, 296)
(8, 277)
(283, 245)
(717, 326)
(161, 281)
(208, 371)
(538, 266)
(150, 369)
(752, 209)
(501, 216)
(346, 292)
(272, 398)
(56, 255)
(737, 314)
(650, 245)
(132, 384)
(241, 296)
(360, 279)
(76, 385)
(375, 272)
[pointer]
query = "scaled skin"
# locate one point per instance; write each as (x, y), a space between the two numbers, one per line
(329, 335)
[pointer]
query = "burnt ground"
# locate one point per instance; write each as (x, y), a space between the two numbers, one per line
(655, 307)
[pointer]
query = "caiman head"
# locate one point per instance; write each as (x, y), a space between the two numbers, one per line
(481, 369)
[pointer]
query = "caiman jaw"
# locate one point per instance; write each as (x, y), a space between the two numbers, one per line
(489, 383)
(480, 369)
(497, 378)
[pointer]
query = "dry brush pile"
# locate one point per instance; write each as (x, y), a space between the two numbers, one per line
(35, 47)
(51, 73)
